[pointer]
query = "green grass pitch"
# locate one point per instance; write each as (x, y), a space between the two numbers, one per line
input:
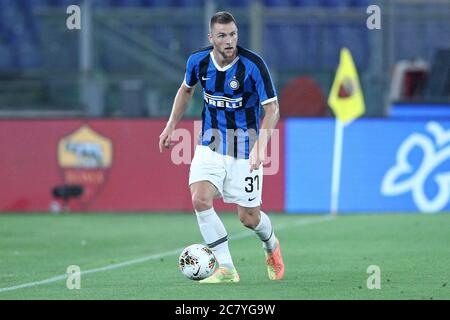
(135, 256)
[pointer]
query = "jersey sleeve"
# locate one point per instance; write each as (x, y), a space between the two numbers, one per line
(264, 84)
(190, 77)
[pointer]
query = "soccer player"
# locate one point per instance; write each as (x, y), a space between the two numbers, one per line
(228, 158)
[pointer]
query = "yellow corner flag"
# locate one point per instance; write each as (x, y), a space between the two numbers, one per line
(346, 97)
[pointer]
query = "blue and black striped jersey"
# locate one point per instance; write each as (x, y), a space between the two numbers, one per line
(232, 97)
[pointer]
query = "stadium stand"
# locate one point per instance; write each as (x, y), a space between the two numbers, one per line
(438, 84)
(20, 40)
(309, 44)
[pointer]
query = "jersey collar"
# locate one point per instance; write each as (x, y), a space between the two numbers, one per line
(227, 66)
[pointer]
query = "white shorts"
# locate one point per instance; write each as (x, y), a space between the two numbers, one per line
(231, 176)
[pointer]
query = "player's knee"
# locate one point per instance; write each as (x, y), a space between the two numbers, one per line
(201, 203)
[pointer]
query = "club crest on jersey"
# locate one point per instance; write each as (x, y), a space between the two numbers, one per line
(234, 84)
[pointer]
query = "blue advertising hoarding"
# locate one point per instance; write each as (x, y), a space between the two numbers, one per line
(387, 166)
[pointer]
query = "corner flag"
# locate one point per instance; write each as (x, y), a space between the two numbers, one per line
(346, 97)
(347, 101)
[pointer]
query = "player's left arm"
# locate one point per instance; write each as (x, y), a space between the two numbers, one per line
(269, 122)
(268, 97)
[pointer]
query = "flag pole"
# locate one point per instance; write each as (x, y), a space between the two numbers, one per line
(337, 160)
(347, 101)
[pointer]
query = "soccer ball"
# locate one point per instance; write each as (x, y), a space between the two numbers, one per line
(197, 262)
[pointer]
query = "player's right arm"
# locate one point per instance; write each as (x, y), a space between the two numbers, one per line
(182, 98)
(180, 104)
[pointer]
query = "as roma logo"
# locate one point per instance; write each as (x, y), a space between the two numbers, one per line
(85, 158)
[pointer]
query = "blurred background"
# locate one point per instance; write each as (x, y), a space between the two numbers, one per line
(109, 86)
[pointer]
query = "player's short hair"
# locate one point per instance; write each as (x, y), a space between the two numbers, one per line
(222, 17)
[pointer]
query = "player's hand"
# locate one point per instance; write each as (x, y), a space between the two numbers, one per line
(165, 138)
(256, 157)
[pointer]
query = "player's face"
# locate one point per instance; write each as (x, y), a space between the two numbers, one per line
(224, 39)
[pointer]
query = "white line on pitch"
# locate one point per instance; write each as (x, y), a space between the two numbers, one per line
(241, 235)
